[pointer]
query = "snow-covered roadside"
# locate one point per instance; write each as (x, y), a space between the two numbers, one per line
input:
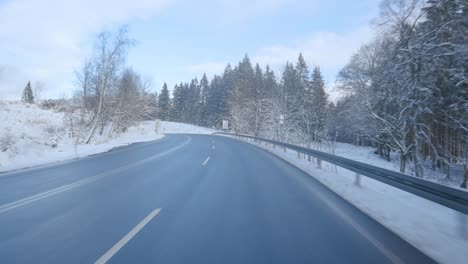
(367, 155)
(30, 153)
(180, 128)
(434, 229)
(31, 136)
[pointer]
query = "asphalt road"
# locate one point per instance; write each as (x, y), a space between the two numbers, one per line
(185, 199)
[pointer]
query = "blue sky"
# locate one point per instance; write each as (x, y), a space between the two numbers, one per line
(47, 40)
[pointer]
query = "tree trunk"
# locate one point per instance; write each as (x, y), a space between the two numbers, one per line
(418, 169)
(402, 163)
(465, 177)
(96, 120)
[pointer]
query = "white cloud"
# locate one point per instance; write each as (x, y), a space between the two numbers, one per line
(46, 40)
(329, 50)
(226, 13)
(242, 10)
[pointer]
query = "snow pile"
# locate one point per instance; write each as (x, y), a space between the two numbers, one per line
(180, 128)
(439, 232)
(31, 136)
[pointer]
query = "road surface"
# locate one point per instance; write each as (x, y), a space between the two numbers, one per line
(185, 199)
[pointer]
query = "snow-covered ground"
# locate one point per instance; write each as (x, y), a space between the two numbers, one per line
(180, 128)
(439, 232)
(31, 136)
(368, 156)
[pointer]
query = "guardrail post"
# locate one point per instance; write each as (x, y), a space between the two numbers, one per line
(462, 225)
(357, 180)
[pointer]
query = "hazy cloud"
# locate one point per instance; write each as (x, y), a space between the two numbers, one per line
(329, 50)
(46, 40)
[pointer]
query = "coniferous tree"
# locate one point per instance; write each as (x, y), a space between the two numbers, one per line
(216, 104)
(305, 100)
(302, 71)
(178, 103)
(258, 103)
(319, 104)
(164, 104)
(192, 102)
(270, 82)
(204, 93)
(28, 96)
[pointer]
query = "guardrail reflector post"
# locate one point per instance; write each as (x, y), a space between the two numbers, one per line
(357, 180)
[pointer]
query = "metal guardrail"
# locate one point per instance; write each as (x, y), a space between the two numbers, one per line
(449, 197)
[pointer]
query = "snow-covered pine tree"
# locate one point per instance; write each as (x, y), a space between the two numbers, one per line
(193, 102)
(28, 96)
(164, 103)
(304, 94)
(257, 103)
(204, 93)
(319, 104)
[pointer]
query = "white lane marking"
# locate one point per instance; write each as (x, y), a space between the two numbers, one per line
(109, 254)
(213, 147)
(206, 161)
(40, 196)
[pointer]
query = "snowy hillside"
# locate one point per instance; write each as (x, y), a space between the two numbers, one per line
(31, 136)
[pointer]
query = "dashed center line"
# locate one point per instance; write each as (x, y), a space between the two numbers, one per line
(213, 147)
(127, 238)
(206, 161)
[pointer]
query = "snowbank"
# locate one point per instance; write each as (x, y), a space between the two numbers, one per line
(31, 136)
(367, 155)
(180, 128)
(439, 232)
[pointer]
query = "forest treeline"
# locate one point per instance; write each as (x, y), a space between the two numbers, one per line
(404, 92)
